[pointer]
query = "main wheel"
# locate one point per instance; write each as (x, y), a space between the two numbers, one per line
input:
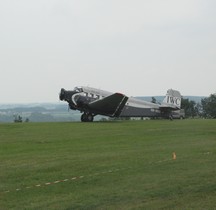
(90, 118)
(87, 117)
(83, 118)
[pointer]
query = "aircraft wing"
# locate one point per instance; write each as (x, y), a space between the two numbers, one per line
(111, 105)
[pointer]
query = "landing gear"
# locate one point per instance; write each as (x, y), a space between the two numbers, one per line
(87, 117)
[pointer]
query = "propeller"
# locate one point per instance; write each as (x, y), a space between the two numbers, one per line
(62, 94)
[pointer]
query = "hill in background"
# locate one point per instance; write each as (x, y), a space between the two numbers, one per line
(41, 112)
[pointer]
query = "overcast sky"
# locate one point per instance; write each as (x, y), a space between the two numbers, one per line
(137, 47)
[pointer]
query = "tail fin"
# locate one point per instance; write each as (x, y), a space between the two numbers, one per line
(173, 99)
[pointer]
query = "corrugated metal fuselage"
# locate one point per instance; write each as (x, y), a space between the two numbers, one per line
(139, 108)
(133, 108)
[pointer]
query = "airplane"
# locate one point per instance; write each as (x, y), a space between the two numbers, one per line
(91, 102)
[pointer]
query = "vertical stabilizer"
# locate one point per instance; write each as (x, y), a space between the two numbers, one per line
(173, 99)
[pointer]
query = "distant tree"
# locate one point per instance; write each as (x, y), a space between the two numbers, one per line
(209, 106)
(190, 107)
(199, 109)
(17, 119)
(27, 120)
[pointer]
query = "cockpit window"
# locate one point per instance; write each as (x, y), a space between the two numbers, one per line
(78, 89)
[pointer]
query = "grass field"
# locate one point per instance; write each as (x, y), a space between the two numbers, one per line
(108, 165)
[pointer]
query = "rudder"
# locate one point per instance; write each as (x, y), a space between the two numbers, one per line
(173, 98)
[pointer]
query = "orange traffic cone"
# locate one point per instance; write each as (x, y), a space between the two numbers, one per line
(174, 156)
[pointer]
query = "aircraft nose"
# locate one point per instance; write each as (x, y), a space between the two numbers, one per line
(62, 94)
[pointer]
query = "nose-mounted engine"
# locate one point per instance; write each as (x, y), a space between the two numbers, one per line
(62, 94)
(65, 95)
(78, 100)
(75, 99)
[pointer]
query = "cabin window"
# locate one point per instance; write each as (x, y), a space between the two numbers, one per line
(91, 95)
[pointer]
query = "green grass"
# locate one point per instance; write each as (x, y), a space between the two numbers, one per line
(118, 165)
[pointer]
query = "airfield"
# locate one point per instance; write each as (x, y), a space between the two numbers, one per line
(108, 165)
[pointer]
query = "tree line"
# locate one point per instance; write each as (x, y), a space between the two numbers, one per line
(206, 108)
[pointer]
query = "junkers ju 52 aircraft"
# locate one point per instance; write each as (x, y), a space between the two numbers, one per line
(92, 102)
